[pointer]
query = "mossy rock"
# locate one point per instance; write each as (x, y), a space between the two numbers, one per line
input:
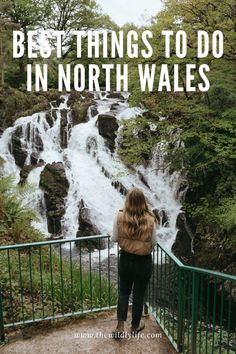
(80, 112)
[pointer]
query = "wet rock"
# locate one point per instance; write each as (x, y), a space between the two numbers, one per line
(87, 228)
(164, 218)
(55, 185)
(16, 147)
(54, 104)
(161, 217)
(33, 137)
(49, 118)
(87, 95)
(107, 127)
(65, 127)
(120, 187)
(60, 100)
(25, 172)
(93, 111)
(114, 106)
(34, 158)
(91, 144)
(37, 140)
(116, 95)
(183, 245)
(104, 171)
(54, 114)
(54, 238)
(80, 112)
(143, 179)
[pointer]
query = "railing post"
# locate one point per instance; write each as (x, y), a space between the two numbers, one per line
(181, 299)
(2, 333)
(195, 290)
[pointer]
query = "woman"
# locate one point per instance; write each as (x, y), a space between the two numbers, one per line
(135, 231)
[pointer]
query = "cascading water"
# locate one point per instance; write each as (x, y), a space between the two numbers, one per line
(91, 169)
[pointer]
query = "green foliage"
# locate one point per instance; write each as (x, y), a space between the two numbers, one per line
(136, 141)
(204, 122)
(225, 214)
(15, 217)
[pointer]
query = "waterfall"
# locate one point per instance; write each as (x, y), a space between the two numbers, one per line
(93, 171)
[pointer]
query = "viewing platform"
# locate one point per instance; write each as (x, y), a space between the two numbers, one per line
(60, 297)
(91, 334)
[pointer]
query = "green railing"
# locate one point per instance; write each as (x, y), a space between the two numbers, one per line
(56, 279)
(194, 306)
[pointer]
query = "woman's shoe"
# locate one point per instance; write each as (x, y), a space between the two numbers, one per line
(118, 333)
(135, 330)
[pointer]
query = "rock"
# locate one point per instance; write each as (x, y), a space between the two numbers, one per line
(162, 217)
(25, 172)
(114, 106)
(117, 95)
(38, 142)
(107, 127)
(54, 114)
(143, 179)
(104, 171)
(155, 211)
(54, 238)
(65, 127)
(120, 187)
(16, 148)
(34, 158)
(87, 95)
(27, 169)
(91, 144)
(54, 104)
(55, 185)
(60, 100)
(87, 228)
(49, 118)
(80, 113)
(93, 111)
(183, 245)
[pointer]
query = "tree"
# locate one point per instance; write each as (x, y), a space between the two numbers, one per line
(6, 27)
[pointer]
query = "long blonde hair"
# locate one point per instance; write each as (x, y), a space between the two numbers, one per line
(135, 212)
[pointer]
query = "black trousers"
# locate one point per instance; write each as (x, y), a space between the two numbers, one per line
(134, 271)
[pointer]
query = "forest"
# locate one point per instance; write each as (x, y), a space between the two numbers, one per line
(203, 120)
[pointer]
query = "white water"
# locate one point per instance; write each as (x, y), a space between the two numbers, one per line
(85, 175)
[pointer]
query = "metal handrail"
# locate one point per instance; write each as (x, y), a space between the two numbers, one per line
(195, 269)
(42, 283)
(194, 306)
